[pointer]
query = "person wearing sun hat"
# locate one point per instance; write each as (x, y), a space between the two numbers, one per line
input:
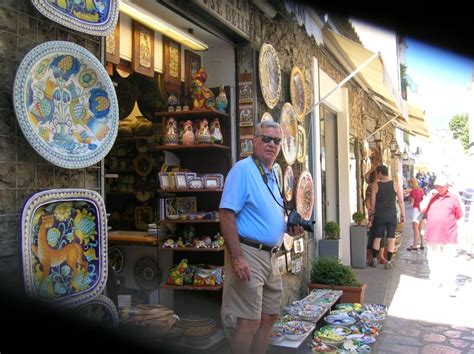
(443, 209)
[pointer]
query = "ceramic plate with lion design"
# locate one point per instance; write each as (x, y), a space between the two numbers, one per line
(65, 104)
(95, 17)
(64, 246)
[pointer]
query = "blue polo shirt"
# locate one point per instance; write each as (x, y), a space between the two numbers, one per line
(258, 216)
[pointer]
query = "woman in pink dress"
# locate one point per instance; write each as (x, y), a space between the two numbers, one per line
(416, 196)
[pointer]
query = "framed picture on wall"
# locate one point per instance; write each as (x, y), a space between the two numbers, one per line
(112, 45)
(172, 65)
(192, 63)
(143, 49)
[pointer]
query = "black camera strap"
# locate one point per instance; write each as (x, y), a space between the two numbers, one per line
(259, 165)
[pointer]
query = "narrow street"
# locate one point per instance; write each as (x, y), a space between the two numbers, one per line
(421, 318)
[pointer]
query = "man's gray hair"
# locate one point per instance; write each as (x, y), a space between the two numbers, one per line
(266, 124)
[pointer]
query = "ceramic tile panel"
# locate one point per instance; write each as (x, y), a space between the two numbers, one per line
(25, 153)
(7, 154)
(9, 229)
(62, 177)
(25, 175)
(92, 179)
(6, 95)
(7, 202)
(46, 31)
(23, 196)
(44, 176)
(28, 27)
(7, 124)
(8, 45)
(9, 20)
(78, 179)
(7, 70)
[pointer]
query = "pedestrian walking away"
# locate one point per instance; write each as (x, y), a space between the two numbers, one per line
(385, 194)
(443, 210)
(253, 225)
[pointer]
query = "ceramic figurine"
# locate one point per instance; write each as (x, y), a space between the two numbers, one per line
(171, 135)
(188, 134)
(221, 100)
(203, 136)
(172, 102)
(203, 98)
(216, 131)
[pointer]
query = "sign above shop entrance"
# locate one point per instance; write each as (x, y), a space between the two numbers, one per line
(233, 13)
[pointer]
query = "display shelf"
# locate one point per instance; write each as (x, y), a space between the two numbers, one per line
(132, 237)
(193, 249)
(192, 287)
(198, 113)
(196, 221)
(190, 190)
(191, 147)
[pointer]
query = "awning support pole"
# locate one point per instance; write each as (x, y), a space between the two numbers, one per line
(388, 122)
(343, 82)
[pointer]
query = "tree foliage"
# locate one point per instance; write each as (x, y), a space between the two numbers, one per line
(459, 126)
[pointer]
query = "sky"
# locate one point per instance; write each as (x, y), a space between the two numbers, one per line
(442, 79)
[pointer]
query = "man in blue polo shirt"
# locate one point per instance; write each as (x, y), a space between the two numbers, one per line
(252, 221)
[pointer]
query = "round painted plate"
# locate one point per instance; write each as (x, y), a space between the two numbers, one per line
(266, 116)
(339, 320)
(301, 149)
(305, 195)
(97, 18)
(279, 175)
(289, 183)
(116, 259)
(362, 338)
(289, 127)
(143, 165)
(269, 74)
(65, 104)
(101, 310)
(146, 273)
(288, 242)
(298, 93)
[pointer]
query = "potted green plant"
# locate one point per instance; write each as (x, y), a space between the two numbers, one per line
(332, 230)
(329, 273)
(358, 217)
(329, 245)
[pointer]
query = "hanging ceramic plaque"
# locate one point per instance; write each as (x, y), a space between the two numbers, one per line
(301, 150)
(146, 273)
(64, 246)
(289, 127)
(305, 195)
(266, 116)
(269, 74)
(298, 93)
(65, 104)
(289, 183)
(116, 259)
(97, 18)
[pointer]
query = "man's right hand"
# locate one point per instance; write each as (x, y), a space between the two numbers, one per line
(241, 268)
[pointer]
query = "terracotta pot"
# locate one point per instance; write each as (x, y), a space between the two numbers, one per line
(350, 294)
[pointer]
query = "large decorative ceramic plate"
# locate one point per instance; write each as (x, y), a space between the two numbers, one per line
(266, 116)
(101, 310)
(278, 175)
(65, 104)
(97, 18)
(305, 195)
(289, 183)
(64, 246)
(146, 273)
(298, 93)
(301, 149)
(269, 74)
(289, 127)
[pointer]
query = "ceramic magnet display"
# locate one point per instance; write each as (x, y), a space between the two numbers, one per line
(305, 195)
(289, 183)
(64, 246)
(65, 104)
(289, 127)
(270, 75)
(97, 18)
(298, 93)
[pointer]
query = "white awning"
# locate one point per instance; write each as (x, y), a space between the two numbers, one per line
(416, 123)
(372, 77)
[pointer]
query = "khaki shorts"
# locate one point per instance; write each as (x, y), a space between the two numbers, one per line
(262, 294)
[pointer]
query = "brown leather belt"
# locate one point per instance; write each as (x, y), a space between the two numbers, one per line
(259, 246)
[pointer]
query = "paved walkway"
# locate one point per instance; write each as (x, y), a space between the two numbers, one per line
(421, 318)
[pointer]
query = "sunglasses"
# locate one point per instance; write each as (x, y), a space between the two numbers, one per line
(266, 139)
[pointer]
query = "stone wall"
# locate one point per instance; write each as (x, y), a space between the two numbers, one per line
(23, 171)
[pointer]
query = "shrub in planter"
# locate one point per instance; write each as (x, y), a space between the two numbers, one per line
(330, 273)
(358, 217)
(332, 230)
